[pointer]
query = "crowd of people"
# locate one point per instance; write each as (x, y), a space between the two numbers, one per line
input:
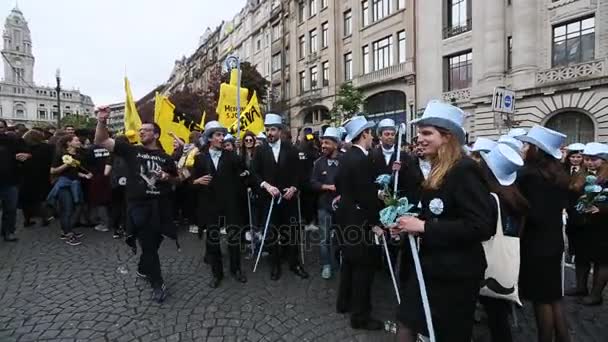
(261, 191)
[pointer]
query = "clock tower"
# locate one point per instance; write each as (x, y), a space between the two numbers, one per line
(17, 52)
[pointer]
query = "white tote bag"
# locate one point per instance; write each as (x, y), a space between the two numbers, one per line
(502, 255)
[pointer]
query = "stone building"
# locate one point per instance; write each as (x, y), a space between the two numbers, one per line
(116, 120)
(21, 101)
(553, 54)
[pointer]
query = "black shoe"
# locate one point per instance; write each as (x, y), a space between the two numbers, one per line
(275, 274)
(78, 234)
(370, 324)
(240, 277)
(299, 271)
(118, 234)
(342, 310)
(73, 241)
(47, 221)
(159, 294)
(215, 282)
(141, 275)
(10, 237)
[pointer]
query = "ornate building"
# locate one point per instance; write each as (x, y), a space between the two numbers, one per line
(21, 101)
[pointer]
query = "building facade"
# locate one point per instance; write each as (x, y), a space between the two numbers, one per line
(116, 120)
(552, 53)
(21, 101)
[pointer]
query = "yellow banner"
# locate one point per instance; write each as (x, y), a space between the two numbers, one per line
(172, 123)
(251, 119)
(226, 105)
(132, 120)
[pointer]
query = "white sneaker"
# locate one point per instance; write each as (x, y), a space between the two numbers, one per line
(311, 227)
(101, 228)
(193, 229)
(326, 273)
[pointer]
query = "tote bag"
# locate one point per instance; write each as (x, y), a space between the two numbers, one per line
(502, 255)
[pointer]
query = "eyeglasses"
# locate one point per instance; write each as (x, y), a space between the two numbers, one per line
(248, 140)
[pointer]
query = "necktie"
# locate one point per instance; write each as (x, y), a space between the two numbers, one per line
(331, 162)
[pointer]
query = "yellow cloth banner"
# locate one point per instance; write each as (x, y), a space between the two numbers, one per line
(132, 119)
(171, 122)
(251, 119)
(226, 105)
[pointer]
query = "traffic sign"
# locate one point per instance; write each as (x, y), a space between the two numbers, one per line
(503, 100)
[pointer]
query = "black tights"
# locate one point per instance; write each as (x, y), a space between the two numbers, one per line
(583, 267)
(551, 322)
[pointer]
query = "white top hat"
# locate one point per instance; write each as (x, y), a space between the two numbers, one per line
(229, 137)
(576, 147)
(516, 132)
(212, 127)
(443, 115)
(546, 139)
(483, 145)
(355, 125)
(342, 131)
(332, 133)
(511, 142)
(261, 136)
(596, 149)
(273, 120)
(385, 124)
(504, 162)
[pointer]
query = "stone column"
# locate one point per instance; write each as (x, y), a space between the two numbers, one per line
(494, 43)
(525, 14)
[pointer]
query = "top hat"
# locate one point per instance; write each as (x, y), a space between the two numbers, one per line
(483, 145)
(273, 120)
(443, 115)
(504, 162)
(332, 133)
(355, 126)
(546, 139)
(385, 124)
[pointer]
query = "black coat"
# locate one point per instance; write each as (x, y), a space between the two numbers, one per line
(281, 175)
(410, 176)
(458, 217)
(35, 175)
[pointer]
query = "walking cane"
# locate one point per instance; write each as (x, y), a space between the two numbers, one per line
(251, 232)
(265, 232)
(390, 268)
(302, 232)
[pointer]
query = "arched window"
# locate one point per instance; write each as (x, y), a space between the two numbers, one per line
(19, 110)
(388, 104)
(576, 125)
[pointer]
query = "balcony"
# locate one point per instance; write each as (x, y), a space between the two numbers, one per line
(451, 31)
(309, 97)
(574, 72)
(381, 76)
(457, 96)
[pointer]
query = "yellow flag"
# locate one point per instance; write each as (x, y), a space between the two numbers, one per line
(132, 119)
(251, 119)
(202, 124)
(226, 105)
(171, 122)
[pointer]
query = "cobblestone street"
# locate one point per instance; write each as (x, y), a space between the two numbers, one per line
(50, 291)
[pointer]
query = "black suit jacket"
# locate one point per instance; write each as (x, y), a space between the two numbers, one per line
(410, 176)
(282, 175)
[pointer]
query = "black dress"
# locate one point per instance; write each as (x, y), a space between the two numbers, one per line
(542, 241)
(458, 217)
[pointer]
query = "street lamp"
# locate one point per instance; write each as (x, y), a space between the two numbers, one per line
(233, 62)
(58, 78)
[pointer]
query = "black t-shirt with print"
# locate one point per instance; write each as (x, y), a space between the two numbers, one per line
(97, 159)
(70, 172)
(144, 167)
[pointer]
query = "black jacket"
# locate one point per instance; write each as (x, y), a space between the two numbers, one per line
(458, 217)
(282, 175)
(410, 176)
(323, 174)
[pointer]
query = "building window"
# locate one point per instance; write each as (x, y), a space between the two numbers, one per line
(276, 62)
(381, 9)
(574, 42)
(577, 126)
(302, 47)
(324, 34)
(302, 81)
(365, 13)
(460, 71)
(458, 18)
(365, 53)
(325, 74)
(314, 77)
(312, 8)
(348, 66)
(348, 23)
(383, 53)
(509, 53)
(314, 46)
(287, 90)
(301, 11)
(19, 110)
(276, 32)
(258, 44)
(400, 4)
(401, 38)
(324, 3)
(286, 56)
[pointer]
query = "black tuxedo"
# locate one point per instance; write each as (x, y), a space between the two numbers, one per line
(219, 206)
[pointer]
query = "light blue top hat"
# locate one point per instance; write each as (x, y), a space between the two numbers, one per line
(483, 145)
(355, 126)
(597, 150)
(385, 124)
(332, 133)
(511, 142)
(212, 127)
(273, 120)
(443, 115)
(261, 136)
(576, 147)
(342, 131)
(546, 139)
(229, 137)
(504, 162)
(516, 132)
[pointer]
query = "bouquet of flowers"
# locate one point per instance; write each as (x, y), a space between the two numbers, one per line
(594, 194)
(394, 206)
(69, 160)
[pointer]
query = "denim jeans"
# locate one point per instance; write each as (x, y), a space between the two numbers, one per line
(325, 229)
(68, 210)
(9, 195)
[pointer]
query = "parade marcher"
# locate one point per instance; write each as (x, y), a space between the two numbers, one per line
(574, 164)
(273, 173)
(67, 190)
(99, 195)
(149, 212)
(574, 158)
(544, 183)
(481, 145)
(215, 175)
(357, 217)
(500, 166)
(248, 148)
(511, 142)
(323, 181)
(586, 229)
(229, 143)
(456, 217)
(118, 181)
(307, 154)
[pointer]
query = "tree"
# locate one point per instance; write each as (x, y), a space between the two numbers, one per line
(212, 93)
(252, 80)
(78, 121)
(348, 103)
(189, 102)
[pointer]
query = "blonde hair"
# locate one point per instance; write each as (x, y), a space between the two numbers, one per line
(447, 156)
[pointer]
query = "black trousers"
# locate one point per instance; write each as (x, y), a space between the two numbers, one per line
(498, 318)
(282, 238)
(118, 208)
(145, 221)
(214, 251)
(354, 293)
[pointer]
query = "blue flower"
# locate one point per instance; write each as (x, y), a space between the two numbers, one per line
(600, 198)
(389, 214)
(593, 189)
(591, 179)
(384, 179)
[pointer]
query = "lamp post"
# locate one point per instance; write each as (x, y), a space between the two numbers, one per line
(58, 78)
(233, 62)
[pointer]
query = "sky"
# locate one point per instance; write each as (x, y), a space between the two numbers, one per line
(93, 42)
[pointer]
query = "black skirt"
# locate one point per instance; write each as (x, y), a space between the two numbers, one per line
(452, 303)
(540, 277)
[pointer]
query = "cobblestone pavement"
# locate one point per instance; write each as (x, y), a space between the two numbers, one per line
(50, 291)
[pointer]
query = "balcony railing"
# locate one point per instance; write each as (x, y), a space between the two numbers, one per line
(381, 75)
(574, 72)
(451, 31)
(457, 96)
(310, 96)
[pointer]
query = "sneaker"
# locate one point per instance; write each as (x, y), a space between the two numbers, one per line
(101, 228)
(193, 229)
(223, 231)
(118, 234)
(78, 234)
(64, 236)
(326, 273)
(159, 294)
(73, 241)
(311, 228)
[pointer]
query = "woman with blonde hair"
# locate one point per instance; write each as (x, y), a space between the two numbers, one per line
(456, 216)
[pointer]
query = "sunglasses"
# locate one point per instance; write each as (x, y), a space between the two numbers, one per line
(248, 140)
